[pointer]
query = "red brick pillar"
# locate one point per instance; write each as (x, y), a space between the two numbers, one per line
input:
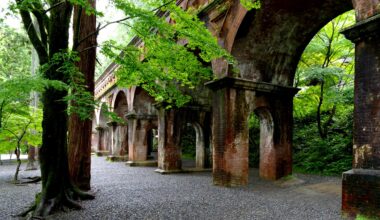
(276, 129)
(138, 127)
(274, 105)
(169, 152)
(137, 141)
(102, 141)
(230, 133)
(361, 185)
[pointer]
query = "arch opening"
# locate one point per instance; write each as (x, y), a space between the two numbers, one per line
(193, 147)
(152, 143)
(120, 129)
(323, 109)
(103, 131)
(254, 140)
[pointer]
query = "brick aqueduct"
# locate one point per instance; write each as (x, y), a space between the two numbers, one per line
(267, 44)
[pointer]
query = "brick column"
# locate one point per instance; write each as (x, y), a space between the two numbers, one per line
(361, 185)
(230, 129)
(137, 148)
(119, 142)
(112, 125)
(138, 127)
(276, 131)
(229, 133)
(169, 151)
(102, 141)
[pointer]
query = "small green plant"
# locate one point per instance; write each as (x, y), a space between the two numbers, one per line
(363, 217)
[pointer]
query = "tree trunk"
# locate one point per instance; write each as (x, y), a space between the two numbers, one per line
(80, 130)
(31, 158)
(319, 117)
(17, 152)
(57, 189)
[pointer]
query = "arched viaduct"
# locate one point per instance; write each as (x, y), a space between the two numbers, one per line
(267, 43)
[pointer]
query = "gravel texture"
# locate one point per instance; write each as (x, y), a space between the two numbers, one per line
(124, 192)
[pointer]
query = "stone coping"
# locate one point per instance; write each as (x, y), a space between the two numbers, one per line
(140, 116)
(239, 83)
(363, 29)
(363, 172)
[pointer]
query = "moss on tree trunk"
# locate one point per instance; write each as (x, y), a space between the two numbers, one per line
(58, 191)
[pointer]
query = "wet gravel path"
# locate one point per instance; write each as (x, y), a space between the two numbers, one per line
(139, 193)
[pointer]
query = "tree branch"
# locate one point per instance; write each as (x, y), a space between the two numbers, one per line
(319, 119)
(99, 28)
(1, 113)
(54, 6)
(43, 21)
(41, 26)
(88, 48)
(10, 131)
(38, 45)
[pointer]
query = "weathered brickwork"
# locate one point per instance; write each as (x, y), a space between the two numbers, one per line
(361, 185)
(366, 8)
(361, 192)
(236, 99)
(230, 137)
(267, 45)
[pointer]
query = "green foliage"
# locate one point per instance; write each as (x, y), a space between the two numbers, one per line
(330, 156)
(85, 4)
(254, 141)
(27, 120)
(81, 100)
(327, 61)
(187, 143)
(323, 109)
(173, 56)
(251, 4)
(365, 217)
(15, 51)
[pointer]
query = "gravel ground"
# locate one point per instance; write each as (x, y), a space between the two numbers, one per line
(139, 193)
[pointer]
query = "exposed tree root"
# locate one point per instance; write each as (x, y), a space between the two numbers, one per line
(43, 207)
(34, 179)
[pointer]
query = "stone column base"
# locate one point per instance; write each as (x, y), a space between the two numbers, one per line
(186, 170)
(114, 158)
(361, 193)
(142, 163)
(161, 171)
(102, 153)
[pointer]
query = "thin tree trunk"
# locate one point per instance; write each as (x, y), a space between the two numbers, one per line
(319, 118)
(17, 151)
(79, 150)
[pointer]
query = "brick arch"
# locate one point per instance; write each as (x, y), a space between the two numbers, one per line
(97, 112)
(102, 118)
(120, 103)
(269, 43)
(143, 102)
(267, 130)
(200, 148)
(117, 92)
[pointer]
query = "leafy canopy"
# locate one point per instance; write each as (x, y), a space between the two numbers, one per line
(327, 61)
(173, 53)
